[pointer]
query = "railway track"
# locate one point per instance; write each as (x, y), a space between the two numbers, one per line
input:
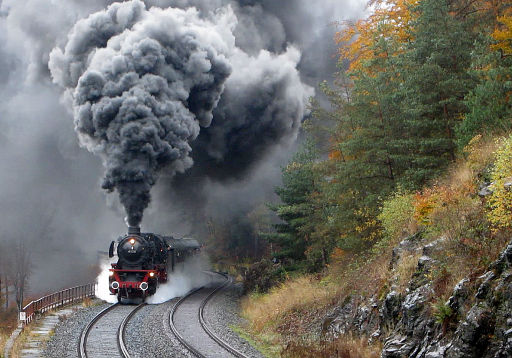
(104, 335)
(187, 323)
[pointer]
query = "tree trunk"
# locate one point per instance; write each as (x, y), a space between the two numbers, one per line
(6, 292)
(324, 257)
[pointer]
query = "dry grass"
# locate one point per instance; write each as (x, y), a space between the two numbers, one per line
(344, 347)
(480, 152)
(363, 276)
(8, 322)
(87, 302)
(261, 310)
(3, 340)
(467, 172)
(404, 270)
(285, 313)
(20, 342)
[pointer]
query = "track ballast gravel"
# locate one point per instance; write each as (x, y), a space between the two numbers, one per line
(148, 333)
(221, 312)
(64, 342)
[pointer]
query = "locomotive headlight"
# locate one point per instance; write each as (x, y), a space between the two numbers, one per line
(132, 241)
(151, 274)
(111, 273)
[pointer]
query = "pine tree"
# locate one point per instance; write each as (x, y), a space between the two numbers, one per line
(489, 103)
(299, 182)
(436, 80)
(367, 162)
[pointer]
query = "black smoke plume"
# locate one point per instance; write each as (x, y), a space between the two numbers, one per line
(143, 79)
(142, 82)
(46, 177)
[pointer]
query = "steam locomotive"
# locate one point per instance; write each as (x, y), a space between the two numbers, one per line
(144, 261)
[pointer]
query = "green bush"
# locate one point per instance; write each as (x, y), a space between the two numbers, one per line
(444, 315)
(397, 215)
(500, 202)
(262, 276)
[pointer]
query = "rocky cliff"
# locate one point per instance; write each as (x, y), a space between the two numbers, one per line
(475, 322)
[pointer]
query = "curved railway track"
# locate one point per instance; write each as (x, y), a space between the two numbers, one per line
(104, 335)
(193, 332)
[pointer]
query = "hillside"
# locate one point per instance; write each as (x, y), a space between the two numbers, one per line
(396, 213)
(438, 286)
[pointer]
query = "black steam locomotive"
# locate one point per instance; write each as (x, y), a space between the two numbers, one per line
(144, 261)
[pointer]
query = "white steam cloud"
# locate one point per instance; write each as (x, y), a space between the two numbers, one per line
(186, 277)
(102, 284)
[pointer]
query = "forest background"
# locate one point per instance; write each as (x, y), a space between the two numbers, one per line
(416, 143)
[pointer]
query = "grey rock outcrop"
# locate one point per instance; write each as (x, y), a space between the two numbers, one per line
(479, 313)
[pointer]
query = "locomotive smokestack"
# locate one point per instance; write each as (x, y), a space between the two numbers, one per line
(133, 230)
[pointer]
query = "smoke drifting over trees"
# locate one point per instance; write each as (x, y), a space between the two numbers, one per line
(265, 58)
(143, 81)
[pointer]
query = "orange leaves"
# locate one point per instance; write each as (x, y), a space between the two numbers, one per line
(424, 204)
(503, 36)
(338, 254)
(390, 20)
(335, 155)
(433, 201)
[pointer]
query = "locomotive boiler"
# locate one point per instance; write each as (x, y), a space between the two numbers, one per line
(146, 260)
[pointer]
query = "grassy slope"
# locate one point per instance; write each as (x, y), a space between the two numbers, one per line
(287, 318)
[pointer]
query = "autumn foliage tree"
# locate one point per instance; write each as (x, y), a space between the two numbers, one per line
(420, 78)
(391, 21)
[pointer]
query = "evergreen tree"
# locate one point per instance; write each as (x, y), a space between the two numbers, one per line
(365, 163)
(299, 182)
(436, 80)
(489, 103)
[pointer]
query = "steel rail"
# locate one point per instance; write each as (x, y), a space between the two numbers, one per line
(175, 330)
(205, 326)
(202, 322)
(82, 352)
(122, 329)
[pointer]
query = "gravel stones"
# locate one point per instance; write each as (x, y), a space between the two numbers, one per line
(64, 342)
(221, 313)
(148, 333)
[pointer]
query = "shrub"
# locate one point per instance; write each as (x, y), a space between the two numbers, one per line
(262, 276)
(500, 202)
(444, 315)
(87, 302)
(451, 208)
(397, 216)
(458, 217)
(424, 204)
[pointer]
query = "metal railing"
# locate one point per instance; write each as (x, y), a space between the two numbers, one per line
(57, 299)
